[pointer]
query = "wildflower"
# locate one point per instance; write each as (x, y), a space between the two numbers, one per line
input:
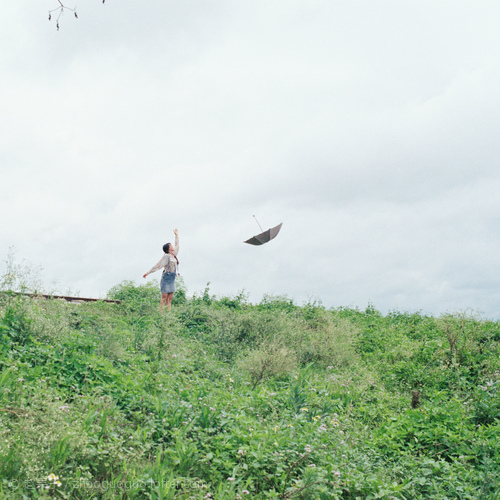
(276, 443)
(311, 465)
(307, 448)
(246, 492)
(231, 380)
(275, 428)
(304, 409)
(230, 478)
(238, 497)
(337, 473)
(241, 452)
(58, 483)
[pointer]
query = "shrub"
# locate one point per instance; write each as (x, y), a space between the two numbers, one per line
(329, 342)
(269, 360)
(15, 326)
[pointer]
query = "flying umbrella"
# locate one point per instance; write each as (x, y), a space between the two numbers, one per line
(264, 236)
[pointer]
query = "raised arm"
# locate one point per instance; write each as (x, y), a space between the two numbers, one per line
(176, 245)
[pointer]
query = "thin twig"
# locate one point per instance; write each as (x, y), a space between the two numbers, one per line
(296, 492)
(15, 412)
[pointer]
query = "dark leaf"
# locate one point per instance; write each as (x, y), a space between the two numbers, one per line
(50, 16)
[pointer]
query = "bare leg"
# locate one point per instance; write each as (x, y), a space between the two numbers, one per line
(164, 301)
(170, 296)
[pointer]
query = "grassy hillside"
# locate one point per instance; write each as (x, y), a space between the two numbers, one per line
(222, 399)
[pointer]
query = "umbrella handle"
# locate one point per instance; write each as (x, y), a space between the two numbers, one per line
(258, 223)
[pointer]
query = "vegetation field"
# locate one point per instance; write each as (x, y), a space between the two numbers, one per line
(223, 399)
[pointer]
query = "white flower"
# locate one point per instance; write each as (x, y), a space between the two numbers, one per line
(230, 478)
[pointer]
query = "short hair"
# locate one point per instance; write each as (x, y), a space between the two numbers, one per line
(166, 248)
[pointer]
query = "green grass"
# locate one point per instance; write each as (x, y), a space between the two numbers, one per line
(224, 399)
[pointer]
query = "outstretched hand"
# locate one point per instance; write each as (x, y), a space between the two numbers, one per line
(145, 275)
(176, 232)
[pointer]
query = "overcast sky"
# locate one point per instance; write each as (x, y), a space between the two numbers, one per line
(369, 128)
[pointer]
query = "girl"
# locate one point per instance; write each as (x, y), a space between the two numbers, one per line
(169, 262)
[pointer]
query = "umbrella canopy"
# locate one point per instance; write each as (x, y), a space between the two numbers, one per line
(265, 236)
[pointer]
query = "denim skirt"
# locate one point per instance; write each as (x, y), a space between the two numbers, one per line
(167, 283)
